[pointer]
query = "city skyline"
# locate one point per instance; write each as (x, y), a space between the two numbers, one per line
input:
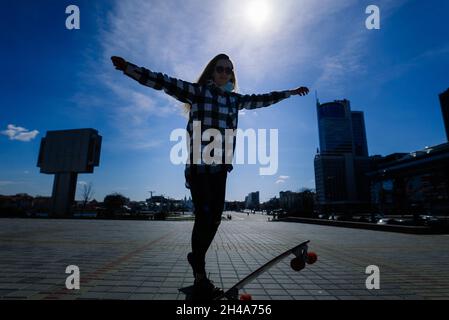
(393, 79)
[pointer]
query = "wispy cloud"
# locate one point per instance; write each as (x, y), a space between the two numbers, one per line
(6, 183)
(342, 67)
(179, 37)
(400, 69)
(282, 179)
(119, 189)
(19, 133)
(338, 69)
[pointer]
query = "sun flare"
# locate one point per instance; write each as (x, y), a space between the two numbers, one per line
(258, 12)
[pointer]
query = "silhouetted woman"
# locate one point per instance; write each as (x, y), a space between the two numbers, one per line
(211, 103)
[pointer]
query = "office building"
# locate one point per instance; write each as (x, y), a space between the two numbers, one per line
(342, 160)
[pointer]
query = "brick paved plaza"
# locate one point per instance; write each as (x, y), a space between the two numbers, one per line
(147, 260)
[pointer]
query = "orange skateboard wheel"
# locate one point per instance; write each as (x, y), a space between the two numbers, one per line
(246, 296)
(311, 257)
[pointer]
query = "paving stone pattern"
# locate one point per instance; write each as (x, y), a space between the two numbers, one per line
(146, 260)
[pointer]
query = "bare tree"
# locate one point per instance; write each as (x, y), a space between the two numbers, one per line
(88, 193)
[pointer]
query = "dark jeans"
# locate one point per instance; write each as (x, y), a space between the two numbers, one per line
(208, 195)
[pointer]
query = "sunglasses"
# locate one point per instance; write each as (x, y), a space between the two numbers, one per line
(221, 69)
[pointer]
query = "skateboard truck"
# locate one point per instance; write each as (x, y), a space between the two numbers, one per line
(302, 256)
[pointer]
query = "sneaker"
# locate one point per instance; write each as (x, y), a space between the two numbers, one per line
(205, 289)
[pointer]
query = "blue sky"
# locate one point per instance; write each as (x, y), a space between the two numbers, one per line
(63, 79)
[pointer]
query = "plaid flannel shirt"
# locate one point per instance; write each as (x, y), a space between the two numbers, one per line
(212, 106)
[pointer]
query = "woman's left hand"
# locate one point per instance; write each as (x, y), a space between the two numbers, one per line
(302, 91)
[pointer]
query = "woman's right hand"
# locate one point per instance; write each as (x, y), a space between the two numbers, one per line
(119, 63)
(302, 91)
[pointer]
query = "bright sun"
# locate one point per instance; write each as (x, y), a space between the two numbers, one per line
(258, 12)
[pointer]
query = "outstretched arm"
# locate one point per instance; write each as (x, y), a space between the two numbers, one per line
(181, 90)
(254, 101)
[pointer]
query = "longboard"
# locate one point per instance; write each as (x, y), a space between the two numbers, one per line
(302, 256)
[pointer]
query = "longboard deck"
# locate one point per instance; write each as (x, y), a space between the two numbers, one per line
(232, 294)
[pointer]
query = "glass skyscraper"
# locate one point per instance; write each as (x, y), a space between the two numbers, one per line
(444, 101)
(342, 160)
(359, 134)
